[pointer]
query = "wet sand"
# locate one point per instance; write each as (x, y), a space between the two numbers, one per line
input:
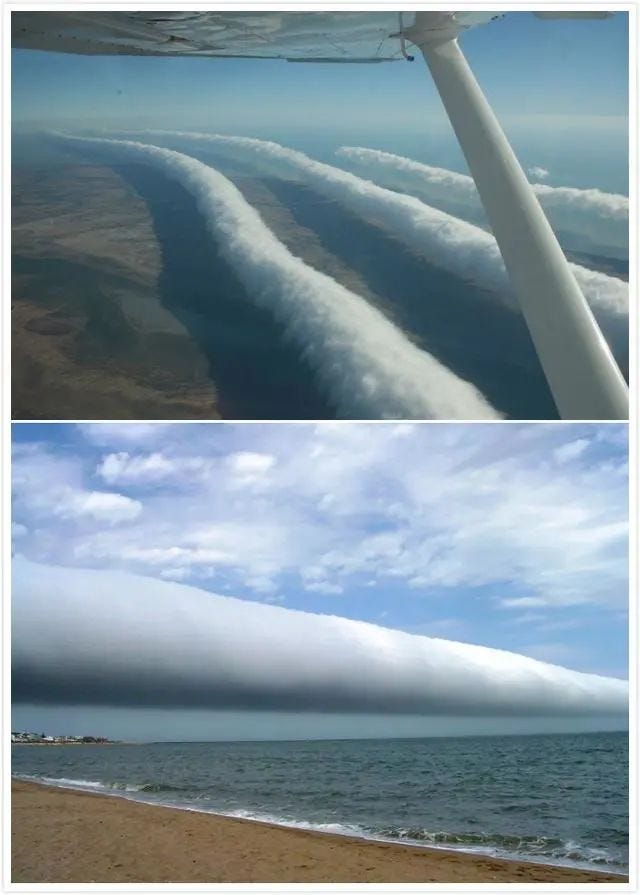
(65, 836)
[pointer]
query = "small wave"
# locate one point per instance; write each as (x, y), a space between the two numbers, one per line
(143, 787)
(337, 829)
(161, 787)
(533, 848)
(70, 783)
(471, 838)
(66, 782)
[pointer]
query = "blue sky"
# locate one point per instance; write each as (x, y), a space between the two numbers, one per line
(557, 106)
(511, 536)
(541, 68)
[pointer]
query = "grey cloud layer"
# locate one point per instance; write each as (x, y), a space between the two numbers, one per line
(365, 363)
(602, 217)
(102, 637)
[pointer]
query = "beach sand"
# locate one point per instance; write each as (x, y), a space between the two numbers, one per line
(73, 837)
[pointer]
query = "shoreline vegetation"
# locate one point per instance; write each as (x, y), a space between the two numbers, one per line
(62, 835)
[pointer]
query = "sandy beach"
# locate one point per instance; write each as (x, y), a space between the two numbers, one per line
(68, 836)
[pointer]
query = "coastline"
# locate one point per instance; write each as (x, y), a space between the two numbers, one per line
(111, 743)
(64, 835)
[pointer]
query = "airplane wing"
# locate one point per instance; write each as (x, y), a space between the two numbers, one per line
(295, 36)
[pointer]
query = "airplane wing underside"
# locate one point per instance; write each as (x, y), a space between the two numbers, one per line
(295, 36)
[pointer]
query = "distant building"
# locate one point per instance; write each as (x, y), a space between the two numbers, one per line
(26, 737)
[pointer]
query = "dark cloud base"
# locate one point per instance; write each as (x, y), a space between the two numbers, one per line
(115, 639)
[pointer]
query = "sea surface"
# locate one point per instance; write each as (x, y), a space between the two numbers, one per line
(554, 799)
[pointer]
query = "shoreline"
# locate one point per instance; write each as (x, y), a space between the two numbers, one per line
(110, 743)
(132, 796)
(70, 835)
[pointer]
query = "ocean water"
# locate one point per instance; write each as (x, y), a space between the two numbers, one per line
(556, 799)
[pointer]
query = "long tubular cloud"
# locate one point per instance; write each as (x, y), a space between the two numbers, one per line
(369, 368)
(106, 637)
(448, 242)
(602, 217)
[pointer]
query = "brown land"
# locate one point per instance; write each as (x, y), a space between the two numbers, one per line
(97, 331)
(91, 338)
(72, 837)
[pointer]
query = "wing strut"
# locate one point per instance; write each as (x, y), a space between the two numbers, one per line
(583, 376)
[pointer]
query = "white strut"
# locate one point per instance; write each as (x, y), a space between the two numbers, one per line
(582, 374)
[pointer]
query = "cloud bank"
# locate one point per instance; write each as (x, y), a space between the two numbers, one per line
(446, 241)
(364, 362)
(111, 638)
(603, 218)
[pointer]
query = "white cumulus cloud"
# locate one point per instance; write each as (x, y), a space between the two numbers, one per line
(110, 434)
(99, 505)
(145, 469)
(249, 466)
(571, 450)
(538, 172)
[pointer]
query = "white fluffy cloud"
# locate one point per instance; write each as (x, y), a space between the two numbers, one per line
(536, 515)
(249, 466)
(124, 433)
(538, 173)
(49, 485)
(125, 468)
(571, 450)
(99, 505)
